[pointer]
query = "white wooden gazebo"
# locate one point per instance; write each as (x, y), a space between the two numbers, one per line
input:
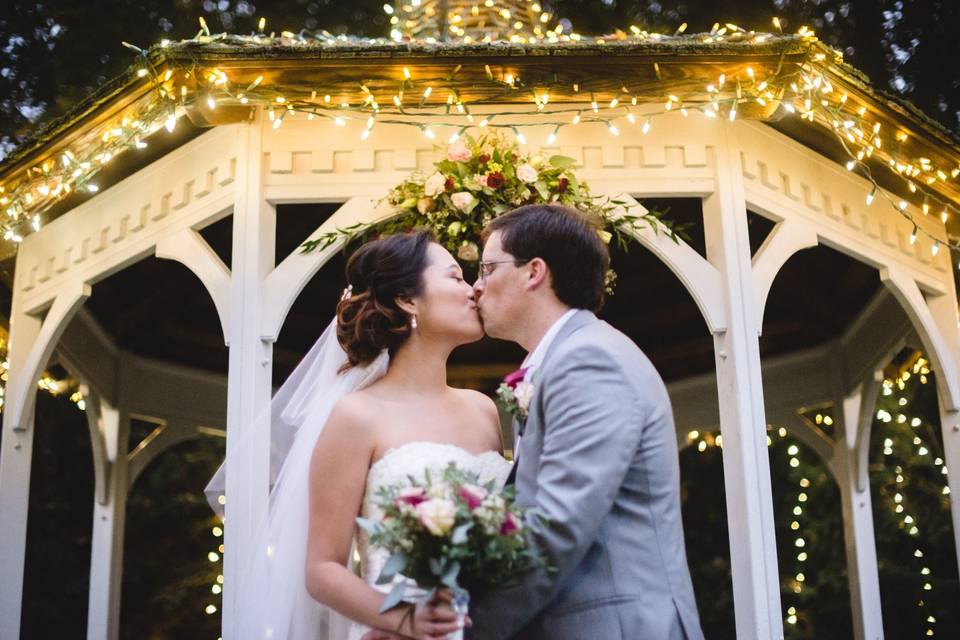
(787, 170)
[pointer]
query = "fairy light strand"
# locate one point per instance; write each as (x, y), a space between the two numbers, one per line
(802, 89)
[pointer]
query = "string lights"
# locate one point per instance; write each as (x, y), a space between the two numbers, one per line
(802, 83)
(895, 489)
(53, 386)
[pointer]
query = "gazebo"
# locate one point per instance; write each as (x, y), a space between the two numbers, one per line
(190, 155)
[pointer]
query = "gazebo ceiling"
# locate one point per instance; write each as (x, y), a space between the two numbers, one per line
(818, 294)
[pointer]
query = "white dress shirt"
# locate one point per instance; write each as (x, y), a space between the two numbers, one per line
(535, 358)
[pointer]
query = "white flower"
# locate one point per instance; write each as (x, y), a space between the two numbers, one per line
(480, 178)
(462, 200)
(523, 393)
(527, 173)
(434, 185)
(437, 515)
(458, 152)
(469, 252)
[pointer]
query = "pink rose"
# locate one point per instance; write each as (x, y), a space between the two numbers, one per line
(510, 524)
(515, 378)
(472, 495)
(411, 496)
(458, 152)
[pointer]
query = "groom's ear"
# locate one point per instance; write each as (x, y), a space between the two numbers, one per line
(538, 274)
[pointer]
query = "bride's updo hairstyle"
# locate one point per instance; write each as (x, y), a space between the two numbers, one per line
(378, 273)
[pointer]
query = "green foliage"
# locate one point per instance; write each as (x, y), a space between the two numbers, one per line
(484, 178)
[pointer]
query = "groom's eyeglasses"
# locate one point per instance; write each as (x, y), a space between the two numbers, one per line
(486, 268)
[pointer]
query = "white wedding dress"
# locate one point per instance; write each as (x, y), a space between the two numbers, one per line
(395, 467)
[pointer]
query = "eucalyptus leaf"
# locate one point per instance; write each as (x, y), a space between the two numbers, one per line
(368, 525)
(392, 567)
(449, 577)
(459, 535)
(394, 598)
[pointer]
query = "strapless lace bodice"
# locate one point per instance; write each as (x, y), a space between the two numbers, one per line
(395, 468)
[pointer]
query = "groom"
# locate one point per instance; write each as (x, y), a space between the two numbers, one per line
(597, 452)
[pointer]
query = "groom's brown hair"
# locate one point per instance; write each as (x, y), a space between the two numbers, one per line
(567, 240)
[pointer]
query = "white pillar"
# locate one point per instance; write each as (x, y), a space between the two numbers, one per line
(944, 311)
(112, 425)
(746, 465)
(15, 458)
(251, 357)
(850, 465)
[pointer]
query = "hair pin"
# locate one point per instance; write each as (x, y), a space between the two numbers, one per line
(347, 293)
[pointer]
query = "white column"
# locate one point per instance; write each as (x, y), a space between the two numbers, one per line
(944, 311)
(850, 465)
(746, 465)
(15, 458)
(112, 425)
(250, 365)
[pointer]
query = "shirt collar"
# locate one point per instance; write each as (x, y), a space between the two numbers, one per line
(535, 357)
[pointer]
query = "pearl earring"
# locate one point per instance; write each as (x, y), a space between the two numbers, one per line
(413, 322)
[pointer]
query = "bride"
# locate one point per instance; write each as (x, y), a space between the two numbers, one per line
(367, 410)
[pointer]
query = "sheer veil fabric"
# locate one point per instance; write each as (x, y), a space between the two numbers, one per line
(271, 596)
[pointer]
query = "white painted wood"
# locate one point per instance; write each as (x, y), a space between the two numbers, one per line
(16, 451)
(699, 277)
(786, 239)
(21, 389)
(942, 357)
(106, 547)
(753, 552)
(852, 422)
(247, 481)
(188, 247)
(288, 279)
(166, 436)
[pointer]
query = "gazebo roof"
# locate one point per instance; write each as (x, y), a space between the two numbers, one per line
(656, 72)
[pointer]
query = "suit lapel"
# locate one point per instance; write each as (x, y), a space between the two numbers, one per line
(579, 320)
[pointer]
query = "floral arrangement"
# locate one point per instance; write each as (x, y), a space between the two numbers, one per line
(515, 394)
(451, 532)
(480, 179)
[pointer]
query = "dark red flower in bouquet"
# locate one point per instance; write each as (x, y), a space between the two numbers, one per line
(495, 180)
(510, 524)
(449, 185)
(562, 185)
(515, 378)
(412, 496)
(484, 158)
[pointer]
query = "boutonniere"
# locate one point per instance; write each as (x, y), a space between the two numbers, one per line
(515, 392)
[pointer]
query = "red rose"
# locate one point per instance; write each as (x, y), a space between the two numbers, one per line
(449, 184)
(515, 378)
(562, 185)
(484, 158)
(495, 180)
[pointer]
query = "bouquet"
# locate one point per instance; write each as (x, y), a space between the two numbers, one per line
(451, 532)
(481, 178)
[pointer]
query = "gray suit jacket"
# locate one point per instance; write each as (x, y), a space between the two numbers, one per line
(598, 457)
